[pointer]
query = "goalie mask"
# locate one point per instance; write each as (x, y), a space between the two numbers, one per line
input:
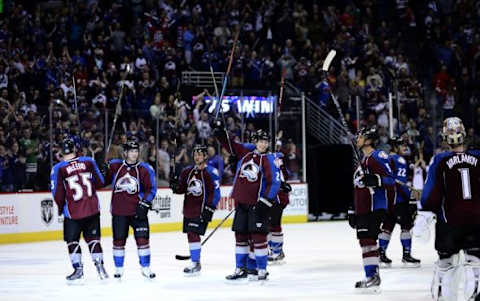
(453, 131)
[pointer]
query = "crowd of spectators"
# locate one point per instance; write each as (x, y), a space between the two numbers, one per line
(67, 64)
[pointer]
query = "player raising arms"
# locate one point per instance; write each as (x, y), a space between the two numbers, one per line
(452, 192)
(134, 187)
(74, 182)
(201, 185)
(255, 188)
(402, 210)
(370, 204)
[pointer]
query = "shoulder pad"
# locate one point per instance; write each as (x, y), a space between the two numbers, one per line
(114, 161)
(146, 165)
(402, 160)
(212, 170)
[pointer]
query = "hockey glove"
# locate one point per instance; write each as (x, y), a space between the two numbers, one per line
(142, 210)
(207, 214)
(285, 187)
(173, 184)
(372, 180)
(218, 127)
(412, 208)
(352, 219)
(103, 169)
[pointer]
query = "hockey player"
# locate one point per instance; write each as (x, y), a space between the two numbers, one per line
(133, 189)
(275, 237)
(201, 185)
(401, 210)
(73, 183)
(370, 204)
(452, 192)
(255, 188)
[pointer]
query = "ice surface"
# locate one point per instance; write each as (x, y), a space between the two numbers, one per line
(323, 261)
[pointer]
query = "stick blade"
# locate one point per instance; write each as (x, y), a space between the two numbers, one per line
(328, 60)
(181, 257)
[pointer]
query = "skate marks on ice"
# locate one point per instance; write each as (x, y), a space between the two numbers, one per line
(323, 262)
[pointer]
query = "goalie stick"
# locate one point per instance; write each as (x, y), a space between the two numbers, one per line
(182, 257)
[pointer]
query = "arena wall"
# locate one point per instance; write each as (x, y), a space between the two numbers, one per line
(29, 217)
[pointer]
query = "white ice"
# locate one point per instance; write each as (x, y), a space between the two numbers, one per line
(323, 261)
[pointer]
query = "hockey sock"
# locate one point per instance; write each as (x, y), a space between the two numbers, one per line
(75, 253)
(384, 239)
(241, 250)
(143, 251)
(276, 243)
(95, 248)
(195, 246)
(261, 251)
(251, 263)
(370, 256)
(406, 239)
(119, 252)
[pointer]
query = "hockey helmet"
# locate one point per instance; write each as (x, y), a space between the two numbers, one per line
(200, 148)
(369, 133)
(131, 144)
(260, 135)
(453, 131)
(396, 141)
(68, 146)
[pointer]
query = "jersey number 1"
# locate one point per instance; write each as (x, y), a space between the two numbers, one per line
(466, 187)
(77, 187)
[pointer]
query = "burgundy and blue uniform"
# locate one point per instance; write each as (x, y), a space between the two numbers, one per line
(131, 183)
(74, 184)
(256, 177)
(202, 192)
(452, 192)
(370, 208)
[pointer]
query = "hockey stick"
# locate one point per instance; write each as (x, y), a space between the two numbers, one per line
(221, 109)
(219, 101)
(118, 108)
(280, 98)
(181, 257)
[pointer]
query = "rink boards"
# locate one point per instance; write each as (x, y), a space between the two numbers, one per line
(28, 217)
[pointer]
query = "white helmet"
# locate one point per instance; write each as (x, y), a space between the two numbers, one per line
(453, 131)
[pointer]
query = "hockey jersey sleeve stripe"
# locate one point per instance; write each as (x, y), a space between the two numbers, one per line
(153, 184)
(58, 190)
(213, 173)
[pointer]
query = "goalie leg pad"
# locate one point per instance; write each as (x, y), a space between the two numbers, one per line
(472, 277)
(446, 278)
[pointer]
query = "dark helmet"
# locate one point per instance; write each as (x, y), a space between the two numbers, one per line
(396, 141)
(200, 148)
(68, 146)
(131, 144)
(260, 135)
(369, 133)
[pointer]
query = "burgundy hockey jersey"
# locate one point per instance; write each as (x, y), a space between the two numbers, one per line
(130, 184)
(256, 176)
(74, 184)
(282, 196)
(201, 187)
(452, 189)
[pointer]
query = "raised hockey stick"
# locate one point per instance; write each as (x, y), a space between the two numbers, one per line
(181, 257)
(118, 108)
(224, 86)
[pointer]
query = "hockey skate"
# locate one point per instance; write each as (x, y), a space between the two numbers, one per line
(239, 274)
(276, 258)
(370, 285)
(118, 273)
(262, 275)
(193, 269)
(102, 274)
(147, 273)
(409, 261)
(385, 262)
(76, 277)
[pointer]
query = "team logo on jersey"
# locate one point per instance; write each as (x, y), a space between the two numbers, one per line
(195, 187)
(278, 162)
(250, 171)
(128, 184)
(46, 209)
(383, 155)
(402, 161)
(357, 178)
